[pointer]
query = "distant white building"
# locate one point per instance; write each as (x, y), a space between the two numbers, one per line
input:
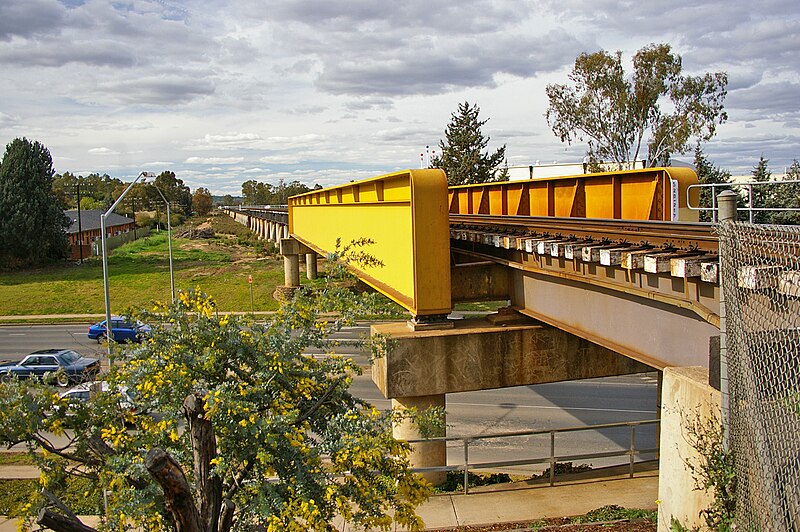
(541, 171)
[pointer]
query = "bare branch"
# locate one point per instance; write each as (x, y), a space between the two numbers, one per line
(61, 523)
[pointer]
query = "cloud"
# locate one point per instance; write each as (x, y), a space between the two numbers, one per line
(52, 54)
(213, 160)
(428, 65)
(327, 92)
(226, 141)
(103, 151)
(770, 100)
(159, 91)
(7, 120)
(30, 18)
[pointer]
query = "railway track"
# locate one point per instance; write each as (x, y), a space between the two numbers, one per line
(678, 236)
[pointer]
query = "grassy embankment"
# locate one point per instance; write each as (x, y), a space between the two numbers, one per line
(139, 275)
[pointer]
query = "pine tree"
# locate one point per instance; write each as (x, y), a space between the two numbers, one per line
(708, 174)
(760, 195)
(33, 225)
(787, 196)
(463, 157)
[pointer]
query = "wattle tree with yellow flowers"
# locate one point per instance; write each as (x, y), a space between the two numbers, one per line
(218, 422)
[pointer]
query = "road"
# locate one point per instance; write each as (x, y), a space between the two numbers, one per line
(544, 406)
(16, 341)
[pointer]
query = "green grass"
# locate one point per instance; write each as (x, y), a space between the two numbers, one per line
(78, 495)
(139, 275)
(15, 459)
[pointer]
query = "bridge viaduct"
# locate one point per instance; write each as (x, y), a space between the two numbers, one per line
(606, 274)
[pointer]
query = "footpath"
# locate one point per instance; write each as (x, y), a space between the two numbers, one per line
(518, 502)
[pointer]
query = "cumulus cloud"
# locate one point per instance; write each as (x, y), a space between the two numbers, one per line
(160, 91)
(6, 121)
(225, 141)
(213, 160)
(30, 18)
(768, 98)
(103, 151)
(326, 92)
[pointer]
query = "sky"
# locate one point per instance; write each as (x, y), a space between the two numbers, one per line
(325, 92)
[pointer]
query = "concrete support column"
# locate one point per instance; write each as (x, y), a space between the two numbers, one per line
(311, 266)
(424, 454)
(274, 233)
(290, 250)
(285, 231)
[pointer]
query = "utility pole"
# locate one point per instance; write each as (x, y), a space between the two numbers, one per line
(80, 227)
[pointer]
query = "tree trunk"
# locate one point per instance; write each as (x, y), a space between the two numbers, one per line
(61, 523)
(226, 515)
(177, 493)
(204, 446)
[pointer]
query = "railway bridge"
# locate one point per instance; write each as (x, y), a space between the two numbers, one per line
(616, 259)
(605, 274)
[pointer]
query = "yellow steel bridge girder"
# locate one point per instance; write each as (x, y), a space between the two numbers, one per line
(405, 214)
(624, 195)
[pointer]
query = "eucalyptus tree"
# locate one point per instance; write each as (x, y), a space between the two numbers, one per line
(654, 113)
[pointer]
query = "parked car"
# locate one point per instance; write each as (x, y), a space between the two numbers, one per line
(82, 392)
(122, 328)
(64, 365)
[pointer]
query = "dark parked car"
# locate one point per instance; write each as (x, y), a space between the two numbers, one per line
(64, 365)
(123, 329)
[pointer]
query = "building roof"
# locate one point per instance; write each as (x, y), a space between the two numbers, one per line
(90, 219)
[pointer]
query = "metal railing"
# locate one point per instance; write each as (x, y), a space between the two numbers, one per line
(746, 187)
(632, 452)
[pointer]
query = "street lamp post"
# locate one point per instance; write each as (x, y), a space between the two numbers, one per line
(109, 333)
(169, 241)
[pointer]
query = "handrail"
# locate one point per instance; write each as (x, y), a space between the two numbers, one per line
(631, 451)
(747, 185)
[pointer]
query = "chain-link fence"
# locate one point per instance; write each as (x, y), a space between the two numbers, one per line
(760, 267)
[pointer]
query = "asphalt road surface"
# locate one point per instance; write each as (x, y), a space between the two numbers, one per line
(16, 341)
(544, 406)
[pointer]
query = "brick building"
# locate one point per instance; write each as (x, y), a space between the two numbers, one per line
(90, 230)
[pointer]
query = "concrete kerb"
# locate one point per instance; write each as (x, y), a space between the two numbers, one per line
(80, 318)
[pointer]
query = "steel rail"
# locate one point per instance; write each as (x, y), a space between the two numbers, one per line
(671, 235)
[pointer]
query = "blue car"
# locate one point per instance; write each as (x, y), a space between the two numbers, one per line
(122, 329)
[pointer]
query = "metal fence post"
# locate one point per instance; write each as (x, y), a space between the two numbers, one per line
(633, 447)
(727, 214)
(552, 457)
(466, 466)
